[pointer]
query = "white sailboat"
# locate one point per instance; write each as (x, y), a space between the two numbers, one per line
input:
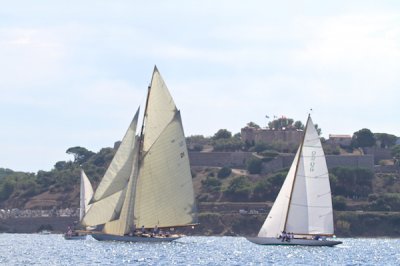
(85, 195)
(148, 183)
(302, 212)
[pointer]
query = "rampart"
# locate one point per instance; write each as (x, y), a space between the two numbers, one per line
(359, 161)
(220, 159)
(238, 160)
(254, 136)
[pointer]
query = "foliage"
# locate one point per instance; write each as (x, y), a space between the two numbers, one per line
(385, 140)
(351, 182)
(268, 187)
(280, 123)
(211, 184)
(269, 153)
(319, 131)
(254, 125)
(395, 150)
(239, 189)
(384, 202)
(227, 144)
(254, 165)
(197, 142)
(5, 172)
(339, 203)
(283, 146)
(299, 125)
(328, 149)
(222, 134)
(80, 154)
(363, 138)
(224, 172)
(261, 146)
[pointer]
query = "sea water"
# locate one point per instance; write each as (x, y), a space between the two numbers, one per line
(35, 249)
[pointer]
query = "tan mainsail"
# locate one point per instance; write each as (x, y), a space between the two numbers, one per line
(150, 182)
(164, 194)
(304, 204)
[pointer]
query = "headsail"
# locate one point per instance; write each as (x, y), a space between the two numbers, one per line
(86, 193)
(304, 204)
(112, 188)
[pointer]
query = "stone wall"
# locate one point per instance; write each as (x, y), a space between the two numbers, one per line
(219, 159)
(285, 161)
(253, 135)
(238, 160)
(32, 224)
(378, 153)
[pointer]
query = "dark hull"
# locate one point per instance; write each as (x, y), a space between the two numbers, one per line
(293, 242)
(78, 237)
(107, 237)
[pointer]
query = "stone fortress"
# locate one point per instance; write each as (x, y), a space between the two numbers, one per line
(369, 157)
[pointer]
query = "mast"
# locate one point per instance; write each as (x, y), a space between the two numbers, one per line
(295, 173)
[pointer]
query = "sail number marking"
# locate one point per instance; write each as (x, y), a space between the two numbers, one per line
(312, 163)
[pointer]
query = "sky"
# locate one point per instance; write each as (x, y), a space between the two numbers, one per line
(72, 73)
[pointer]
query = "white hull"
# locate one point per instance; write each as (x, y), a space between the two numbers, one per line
(107, 237)
(293, 242)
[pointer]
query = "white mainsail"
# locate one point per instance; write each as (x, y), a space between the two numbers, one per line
(86, 193)
(149, 181)
(304, 204)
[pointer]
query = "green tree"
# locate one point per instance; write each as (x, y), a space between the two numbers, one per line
(224, 172)
(222, 134)
(363, 138)
(280, 123)
(395, 150)
(239, 188)
(319, 131)
(227, 144)
(80, 154)
(211, 184)
(385, 140)
(254, 165)
(299, 125)
(252, 124)
(339, 203)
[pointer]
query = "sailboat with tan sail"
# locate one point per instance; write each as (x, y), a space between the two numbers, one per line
(148, 184)
(302, 212)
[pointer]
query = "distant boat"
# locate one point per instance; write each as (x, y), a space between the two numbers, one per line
(85, 195)
(302, 212)
(148, 184)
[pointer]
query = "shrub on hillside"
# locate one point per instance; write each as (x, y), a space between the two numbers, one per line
(211, 184)
(254, 166)
(224, 172)
(339, 203)
(239, 189)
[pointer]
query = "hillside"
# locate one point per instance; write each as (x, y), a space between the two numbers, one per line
(231, 200)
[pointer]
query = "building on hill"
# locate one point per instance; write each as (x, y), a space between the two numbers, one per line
(339, 140)
(252, 135)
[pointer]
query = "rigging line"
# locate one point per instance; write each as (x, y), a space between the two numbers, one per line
(314, 139)
(161, 133)
(323, 215)
(313, 156)
(323, 175)
(321, 195)
(311, 206)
